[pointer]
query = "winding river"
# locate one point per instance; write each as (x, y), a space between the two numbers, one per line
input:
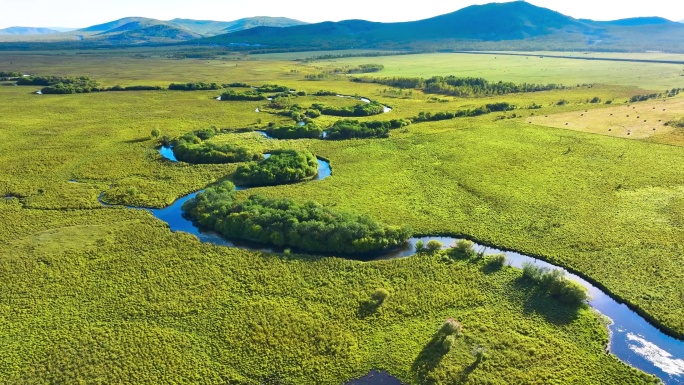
(632, 339)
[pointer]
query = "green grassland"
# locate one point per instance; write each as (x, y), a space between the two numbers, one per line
(520, 69)
(94, 285)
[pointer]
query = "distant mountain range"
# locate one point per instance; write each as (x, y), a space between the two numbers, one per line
(27, 31)
(136, 30)
(495, 26)
(514, 25)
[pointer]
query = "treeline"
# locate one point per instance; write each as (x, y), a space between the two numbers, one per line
(61, 85)
(360, 69)
(7, 75)
(458, 86)
(342, 129)
(247, 95)
(308, 226)
(676, 123)
(199, 86)
(358, 110)
(347, 55)
(75, 85)
(353, 129)
(283, 166)
(297, 131)
(645, 97)
(194, 148)
(554, 284)
(482, 110)
(273, 88)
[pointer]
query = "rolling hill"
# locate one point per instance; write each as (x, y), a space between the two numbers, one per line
(27, 31)
(500, 26)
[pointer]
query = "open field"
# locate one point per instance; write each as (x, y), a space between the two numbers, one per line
(530, 69)
(93, 285)
(644, 120)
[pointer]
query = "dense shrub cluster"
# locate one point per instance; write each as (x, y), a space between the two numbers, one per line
(273, 88)
(325, 93)
(458, 86)
(10, 74)
(199, 86)
(306, 131)
(353, 129)
(482, 110)
(282, 222)
(676, 123)
(236, 85)
(361, 109)
(61, 85)
(283, 166)
(247, 95)
(134, 88)
(554, 283)
(193, 148)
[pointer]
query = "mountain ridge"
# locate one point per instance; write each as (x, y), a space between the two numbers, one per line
(17, 30)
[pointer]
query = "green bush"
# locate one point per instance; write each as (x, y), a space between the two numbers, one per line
(451, 327)
(307, 226)
(463, 249)
(554, 283)
(497, 260)
(434, 245)
(379, 296)
(283, 166)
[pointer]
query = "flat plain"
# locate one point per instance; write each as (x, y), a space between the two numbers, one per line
(93, 285)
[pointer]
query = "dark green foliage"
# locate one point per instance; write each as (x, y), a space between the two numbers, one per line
(379, 296)
(273, 88)
(193, 148)
(61, 85)
(236, 85)
(307, 226)
(198, 86)
(283, 166)
(457, 86)
(554, 283)
(676, 123)
(10, 74)
(643, 98)
(482, 110)
(595, 99)
(365, 68)
(134, 88)
(155, 133)
(353, 129)
(248, 96)
(497, 260)
(434, 245)
(361, 109)
(309, 130)
(463, 249)
(75, 85)
(451, 327)
(325, 93)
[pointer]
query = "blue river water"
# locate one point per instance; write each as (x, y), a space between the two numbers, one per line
(632, 339)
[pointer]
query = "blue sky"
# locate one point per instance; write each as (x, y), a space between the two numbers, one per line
(83, 13)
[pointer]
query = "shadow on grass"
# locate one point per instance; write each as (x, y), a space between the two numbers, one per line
(539, 302)
(367, 309)
(430, 357)
(463, 376)
(138, 140)
(491, 267)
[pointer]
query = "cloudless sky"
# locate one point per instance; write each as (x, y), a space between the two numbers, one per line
(83, 13)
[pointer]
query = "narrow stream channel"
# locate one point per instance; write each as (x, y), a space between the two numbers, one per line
(633, 339)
